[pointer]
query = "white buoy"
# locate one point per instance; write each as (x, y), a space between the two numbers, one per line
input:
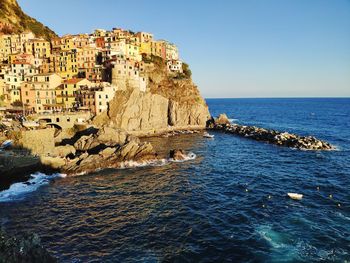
(295, 196)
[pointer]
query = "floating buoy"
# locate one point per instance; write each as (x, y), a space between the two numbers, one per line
(330, 196)
(339, 205)
(269, 196)
(246, 190)
(318, 188)
(263, 206)
(295, 196)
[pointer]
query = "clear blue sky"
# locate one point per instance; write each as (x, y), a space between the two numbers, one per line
(236, 48)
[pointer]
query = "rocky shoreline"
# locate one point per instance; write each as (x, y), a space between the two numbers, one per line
(27, 248)
(270, 136)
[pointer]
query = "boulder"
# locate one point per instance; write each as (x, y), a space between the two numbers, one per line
(178, 154)
(111, 136)
(53, 162)
(222, 119)
(64, 151)
(108, 152)
(86, 143)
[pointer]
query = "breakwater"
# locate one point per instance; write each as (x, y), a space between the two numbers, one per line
(279, 138)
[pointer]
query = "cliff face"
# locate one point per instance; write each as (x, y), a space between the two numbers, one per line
(14, 20)
(170, 103)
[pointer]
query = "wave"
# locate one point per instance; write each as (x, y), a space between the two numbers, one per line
(190, 156)
(160, 162)
(18, 191)
(232, 120)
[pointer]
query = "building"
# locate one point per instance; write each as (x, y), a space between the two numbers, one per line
(174, 66)
(86, 57)
(39, 48)
(39, 92)
(66, 64)
(96, 99)
(171, 51)
(144, 37)
(67, 91)
(158, 49)
(132, 51)
(126, 74)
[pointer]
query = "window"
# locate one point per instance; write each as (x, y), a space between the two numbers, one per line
(57, 119)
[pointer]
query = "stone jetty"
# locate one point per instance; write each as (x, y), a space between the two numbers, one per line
(270, 136)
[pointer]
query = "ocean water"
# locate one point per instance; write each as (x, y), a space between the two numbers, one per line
(227, 203)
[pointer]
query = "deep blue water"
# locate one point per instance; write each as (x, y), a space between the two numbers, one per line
(227, 205)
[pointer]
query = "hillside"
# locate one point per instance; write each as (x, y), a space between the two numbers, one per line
(14, 20)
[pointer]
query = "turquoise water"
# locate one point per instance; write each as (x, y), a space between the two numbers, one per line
(227, 205)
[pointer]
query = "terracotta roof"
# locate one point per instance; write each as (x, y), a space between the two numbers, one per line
(72, 81)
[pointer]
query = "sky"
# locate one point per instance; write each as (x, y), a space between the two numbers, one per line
(235, 48)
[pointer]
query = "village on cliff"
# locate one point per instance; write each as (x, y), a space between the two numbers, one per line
(76, 74)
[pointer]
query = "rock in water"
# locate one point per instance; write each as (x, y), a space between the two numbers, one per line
(222, 119)
(271, 136)
(178, 155)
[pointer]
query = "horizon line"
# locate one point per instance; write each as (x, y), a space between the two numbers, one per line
(307, 97)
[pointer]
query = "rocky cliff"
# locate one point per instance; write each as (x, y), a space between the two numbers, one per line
(14, 20)
(171, 102)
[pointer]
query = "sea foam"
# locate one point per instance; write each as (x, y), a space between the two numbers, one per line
(160, 162)
(18, 191)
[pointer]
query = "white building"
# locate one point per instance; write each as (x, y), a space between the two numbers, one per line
(174, 66)
(125, 74)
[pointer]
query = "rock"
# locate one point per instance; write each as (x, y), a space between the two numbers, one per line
(144, 151)
(128, 151)
(26, 248)
(108, 152)
(222, 119)
(53, 162)
(271, 136)
(167, 104)
(86, 143)
(111, 136)
(64, 151)
(178, 154)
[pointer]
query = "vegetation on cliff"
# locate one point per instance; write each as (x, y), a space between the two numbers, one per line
(14, 20)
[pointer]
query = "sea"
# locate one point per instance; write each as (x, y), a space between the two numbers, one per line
(226, 203)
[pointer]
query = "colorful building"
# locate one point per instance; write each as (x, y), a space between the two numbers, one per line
(39, 92)
(67, 91)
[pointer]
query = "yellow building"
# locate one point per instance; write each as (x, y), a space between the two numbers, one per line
(5, 47)
(67, 92)
(67, 66)
(67, 43)
(145, 48)
(40, 48)
(132, 50)
(158, 48)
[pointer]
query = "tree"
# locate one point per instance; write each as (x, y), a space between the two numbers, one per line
(186, 70)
